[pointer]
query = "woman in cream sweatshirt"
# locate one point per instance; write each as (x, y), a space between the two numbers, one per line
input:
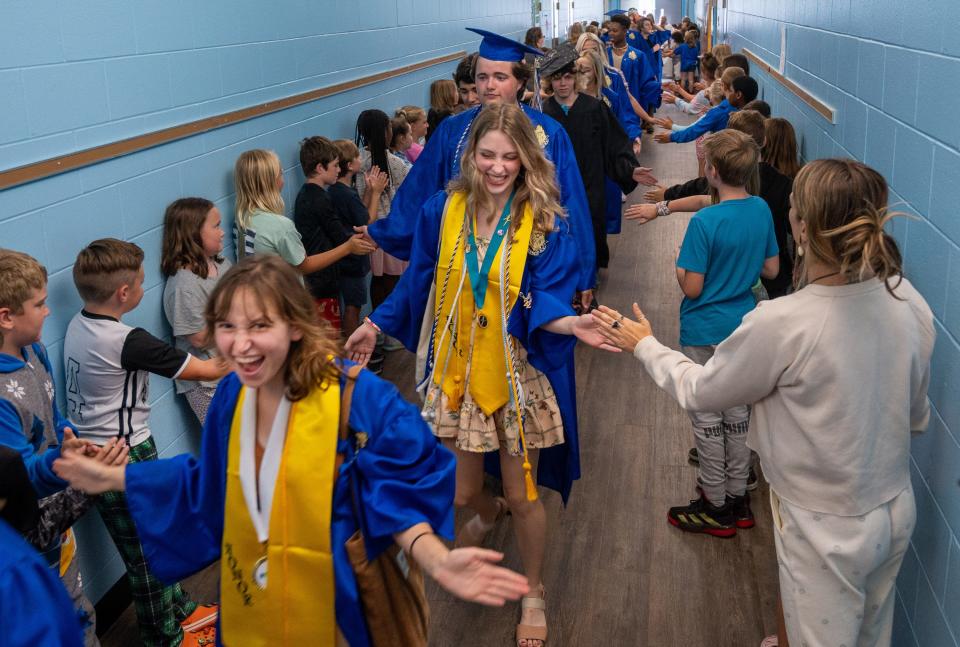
(837, 373)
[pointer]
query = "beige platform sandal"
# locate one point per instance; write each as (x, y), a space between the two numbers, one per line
(532, 632)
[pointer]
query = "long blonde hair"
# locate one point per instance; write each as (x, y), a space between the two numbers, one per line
(843, 203)
(275, 285)
(255, 176)
(584, 37)
(536, 184)
(594, 61)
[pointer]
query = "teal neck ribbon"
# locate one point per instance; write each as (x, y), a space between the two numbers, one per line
(479, 276)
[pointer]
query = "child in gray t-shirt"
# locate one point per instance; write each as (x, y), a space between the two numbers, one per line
(192, 263)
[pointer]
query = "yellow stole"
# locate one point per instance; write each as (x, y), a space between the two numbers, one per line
(469, 331)
(288, 599)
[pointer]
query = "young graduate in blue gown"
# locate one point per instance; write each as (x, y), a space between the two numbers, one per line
(640, 76)
(34, 606)
(500, 77)
(485, 301)
(650, 42)
(614, 91)
(265, 494)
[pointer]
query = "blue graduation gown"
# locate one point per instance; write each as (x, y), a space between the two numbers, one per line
(641, 77)
(616, 93)
(406, 477)
(549, 278)
(439, 162)
(619, 100)
(646, 46)
(34, 607)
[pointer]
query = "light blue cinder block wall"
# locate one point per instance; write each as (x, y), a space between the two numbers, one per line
(893, 74)
(78, 74)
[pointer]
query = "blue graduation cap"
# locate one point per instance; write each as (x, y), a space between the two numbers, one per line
(615, 12)
(495, 47)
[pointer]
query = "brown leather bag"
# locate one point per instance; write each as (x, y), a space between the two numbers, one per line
(391, 586)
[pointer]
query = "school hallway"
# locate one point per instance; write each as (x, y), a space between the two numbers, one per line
(617, 573)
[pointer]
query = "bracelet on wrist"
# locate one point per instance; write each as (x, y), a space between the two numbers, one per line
(367, 320)
(663, 208)
(415, 540)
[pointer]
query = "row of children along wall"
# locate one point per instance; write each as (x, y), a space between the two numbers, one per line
(340, 268)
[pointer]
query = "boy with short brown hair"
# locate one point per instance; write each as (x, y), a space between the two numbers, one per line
(107, 367)
(31, 423)
(726, 248)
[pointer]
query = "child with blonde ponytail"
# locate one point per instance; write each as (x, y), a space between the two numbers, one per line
(837, 373)
(261, 226)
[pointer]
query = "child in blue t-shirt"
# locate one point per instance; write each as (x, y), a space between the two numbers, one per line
(689, 56)
(726, 247)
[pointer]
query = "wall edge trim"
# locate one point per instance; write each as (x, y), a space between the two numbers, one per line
(71, 161)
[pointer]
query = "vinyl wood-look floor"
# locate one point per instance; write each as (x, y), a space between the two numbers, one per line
(617, 574)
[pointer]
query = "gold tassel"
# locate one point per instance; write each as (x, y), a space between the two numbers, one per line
(528, 477)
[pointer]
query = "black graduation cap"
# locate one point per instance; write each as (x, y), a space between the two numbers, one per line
(495, 47)
(557, 59)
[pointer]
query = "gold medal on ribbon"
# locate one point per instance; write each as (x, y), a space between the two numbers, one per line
(260, 573)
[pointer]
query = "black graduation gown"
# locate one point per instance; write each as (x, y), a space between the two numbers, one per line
(603, 149)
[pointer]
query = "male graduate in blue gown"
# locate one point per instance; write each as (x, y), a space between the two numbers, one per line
(635, 66)
(500, 76)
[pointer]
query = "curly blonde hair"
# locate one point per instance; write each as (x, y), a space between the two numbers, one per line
(277, 289)
(536, 184)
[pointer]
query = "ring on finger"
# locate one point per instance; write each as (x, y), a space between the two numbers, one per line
(615, 324)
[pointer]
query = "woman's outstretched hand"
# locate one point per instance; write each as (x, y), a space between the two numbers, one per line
(361, 343)
(619, 331)
(471, 574)
(586, 329)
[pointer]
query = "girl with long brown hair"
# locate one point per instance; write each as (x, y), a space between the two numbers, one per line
(270, 498)
(192, 261)
(837, 374)
(486, 302)
(780, 147)
(444, 101)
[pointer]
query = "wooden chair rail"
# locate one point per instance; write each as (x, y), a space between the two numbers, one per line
(829, 113)
(71, 161)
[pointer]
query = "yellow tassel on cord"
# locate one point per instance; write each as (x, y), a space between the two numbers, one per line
(528, 477)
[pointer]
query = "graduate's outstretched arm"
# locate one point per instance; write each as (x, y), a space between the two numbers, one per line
(90, 475)
(468, 573)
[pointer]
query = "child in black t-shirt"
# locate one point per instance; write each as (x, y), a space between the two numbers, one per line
(319, 223)
(354, 212)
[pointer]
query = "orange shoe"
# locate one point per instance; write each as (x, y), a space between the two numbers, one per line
(204, 615)
(205, 637)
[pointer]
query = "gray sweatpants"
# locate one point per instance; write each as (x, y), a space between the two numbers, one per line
(721, 440)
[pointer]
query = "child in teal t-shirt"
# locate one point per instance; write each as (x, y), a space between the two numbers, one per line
(726, 248)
